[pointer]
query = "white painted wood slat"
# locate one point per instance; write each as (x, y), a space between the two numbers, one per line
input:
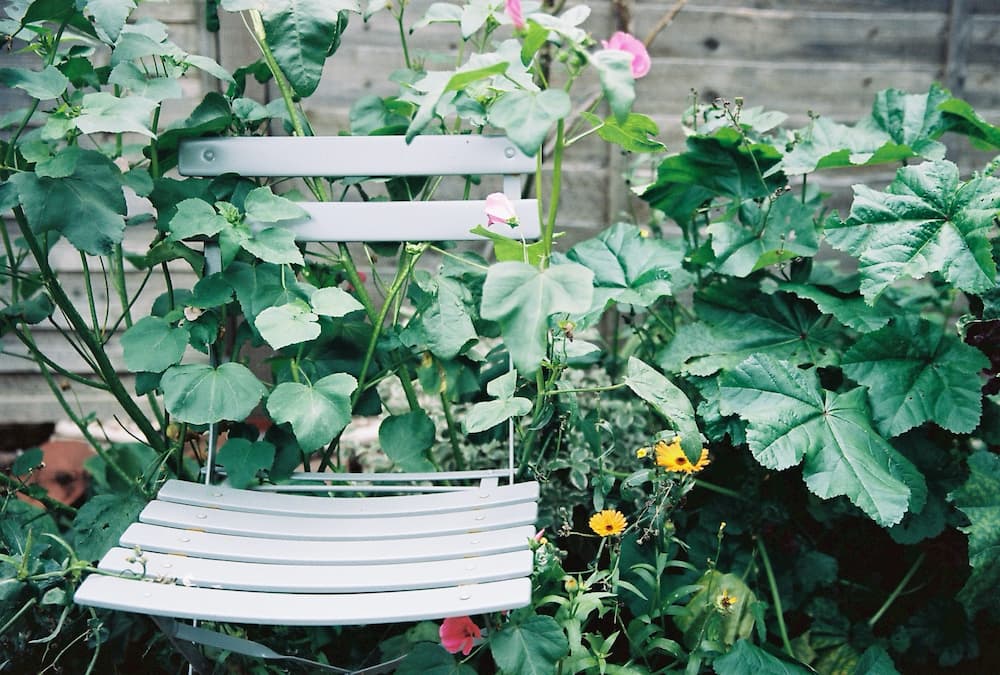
(301, 609)
(325, 578)
(221, 497)
(336, 528)
(157, 538)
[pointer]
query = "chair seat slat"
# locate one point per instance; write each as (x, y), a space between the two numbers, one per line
(250, 501)
(326, 578)
(300, 609)
(296, 551)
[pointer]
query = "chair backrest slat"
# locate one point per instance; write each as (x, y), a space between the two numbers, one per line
(353, 156)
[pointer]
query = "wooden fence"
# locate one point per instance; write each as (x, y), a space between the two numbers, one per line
(796, 56)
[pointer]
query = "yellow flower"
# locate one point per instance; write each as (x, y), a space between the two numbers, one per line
(725, 601)
(608, 522)
(672, 458)
(642, 453)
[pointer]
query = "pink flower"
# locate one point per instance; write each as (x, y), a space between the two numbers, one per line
(458, 634)
(500, 210)
(513, 10)
(624, 42)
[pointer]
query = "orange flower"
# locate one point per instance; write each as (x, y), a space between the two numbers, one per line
(608, 522)
(672, 458)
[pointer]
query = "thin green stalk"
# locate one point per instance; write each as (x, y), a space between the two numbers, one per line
(896, 591)
(402, 36)
(550, 223)
(118, 270)
(775, 597)
(456, 450)
(15, 280)
(37, 355)
(585, 390)
(105, 369)
(95, 324)
(28, 605)
(45, 499)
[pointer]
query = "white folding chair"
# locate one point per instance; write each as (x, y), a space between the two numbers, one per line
(211, 552)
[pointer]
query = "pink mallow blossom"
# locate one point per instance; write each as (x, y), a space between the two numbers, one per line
(458, 634)
(624, 42)
(513, 10)
(500, 210)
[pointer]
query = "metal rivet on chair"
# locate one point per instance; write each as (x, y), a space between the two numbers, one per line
(464, 596)
(208, 155)
(201, 516)
(509, 153)
(481, 517)
(216, 494)
(475, 541)
(168, 565)
(484, 495)
(185, 539)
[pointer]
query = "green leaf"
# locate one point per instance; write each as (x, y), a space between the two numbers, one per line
(100, 522)
(962, 118)
(633, 133)
(200, 394)
(745, 658)
(152, 344)
(926, 221)
(628, 267)
(103, 112)
(301, 34)
(614, 68)
(274, 245)
(666, 399)
(716, 165)
(791, 419)
(83, 183)
(444, 324)
(752, 324)
(487, 414)
(875, 661)
(333, 301)
(244, 459)
(915, 373)
(318, 412)
(522, 298)
(194, 218)
(529, 647)
(27, 462)
(287, 324)
(766, 233)
(913, 120)
(406, 440)
(426, 658)
(45, 84)
(264, 285)
(977, 499)
(704, 618)
(513, 250)
(31, 310)
(211, 291)
(109, 16)
(527, 116)
(264, 206)
(851, 311)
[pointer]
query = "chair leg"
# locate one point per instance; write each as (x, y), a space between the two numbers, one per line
(197, 663)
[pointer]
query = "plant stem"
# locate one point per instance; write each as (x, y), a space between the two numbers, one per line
(585, 390)
(550, 223)
(46, 500)
(775, 597)
(896, 591)
(456, 450)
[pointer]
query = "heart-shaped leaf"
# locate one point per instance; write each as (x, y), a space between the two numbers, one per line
(152, 344)
(406, 440)
(317, 412)
(264, 206)
(193, 218)
(527, 116)
(614, 68)
(532, 646)
(200, 394)
(287, 324)
(333, 301)
(244, 460)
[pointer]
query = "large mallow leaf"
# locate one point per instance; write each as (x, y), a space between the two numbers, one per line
(445, 322)
(200, 394)
(917, 373)
(713, 165)
(78, 195)
(103, 112)
(487, 414)
(264, 285)
(302, 33)
(527, 116)
(530, 647)
(926, 221)
(263, 206)
(765, 234)
(978, 500)
(522, 298)
(791, 419)
(628, 267)
(153, 344)
(777, 325)
(668, 400)
(317, 412)
(745, 657)
(42, 84)
(900, 126)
